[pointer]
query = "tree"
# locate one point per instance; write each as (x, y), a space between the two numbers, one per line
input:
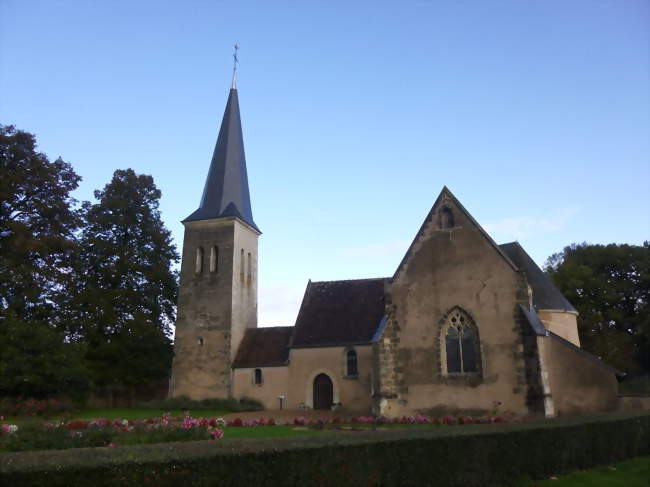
(126, 298)
(37, 246)
(610, 287)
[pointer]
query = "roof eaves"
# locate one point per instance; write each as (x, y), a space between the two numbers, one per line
(253, 365)
(534, 321)
(331, 344)
(380, 329)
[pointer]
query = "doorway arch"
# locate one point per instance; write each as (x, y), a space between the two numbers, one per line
(323, 392)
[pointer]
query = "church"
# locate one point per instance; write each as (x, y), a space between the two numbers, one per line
(464, 325)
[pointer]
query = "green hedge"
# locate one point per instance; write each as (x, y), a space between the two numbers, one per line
(185, 403)
(472, 455)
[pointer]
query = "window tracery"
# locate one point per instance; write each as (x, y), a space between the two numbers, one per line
(462, 349)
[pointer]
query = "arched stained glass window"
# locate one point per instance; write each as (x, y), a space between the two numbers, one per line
(461, 344)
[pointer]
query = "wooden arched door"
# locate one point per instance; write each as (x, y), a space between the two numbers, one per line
(323, 392)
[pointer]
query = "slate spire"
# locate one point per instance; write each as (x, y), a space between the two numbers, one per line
(226, 188)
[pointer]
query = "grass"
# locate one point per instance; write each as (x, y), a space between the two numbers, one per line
(629, 473)
(635, 385)
(267, 432)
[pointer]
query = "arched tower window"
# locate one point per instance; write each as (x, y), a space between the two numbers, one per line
(446, 218)
(242, 264)
(214, 259)
(198, 265)
(461, 344)
(258, 376)
(351, 364)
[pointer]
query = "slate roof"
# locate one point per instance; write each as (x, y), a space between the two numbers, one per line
(226, 188)
(581, 351)
(534, 321)
(545, 294)
(264, 347)
(335, 313)
(540, 330)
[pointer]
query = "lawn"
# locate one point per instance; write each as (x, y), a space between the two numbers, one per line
(635, 385)
(268, 431)
(629, 473)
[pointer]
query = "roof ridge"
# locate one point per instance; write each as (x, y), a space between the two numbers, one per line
(546, 295)
(270, 327)
(354, 280)
(514, 242)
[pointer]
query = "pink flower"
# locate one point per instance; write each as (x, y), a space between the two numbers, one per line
(216, 433)
(9, 428)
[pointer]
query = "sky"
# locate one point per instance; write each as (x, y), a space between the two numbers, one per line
(355, 114)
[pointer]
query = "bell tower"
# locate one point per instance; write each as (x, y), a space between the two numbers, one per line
(217, 298)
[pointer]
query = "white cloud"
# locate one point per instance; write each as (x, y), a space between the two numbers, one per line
(516, 228)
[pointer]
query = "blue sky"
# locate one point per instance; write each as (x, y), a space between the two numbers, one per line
(535, 114)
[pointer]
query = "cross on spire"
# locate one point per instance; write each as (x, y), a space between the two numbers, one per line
(234, 67)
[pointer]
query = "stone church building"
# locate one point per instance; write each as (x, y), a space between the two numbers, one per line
(463, 324)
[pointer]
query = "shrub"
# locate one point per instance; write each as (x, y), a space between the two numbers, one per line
(21, 406)
(187, 404)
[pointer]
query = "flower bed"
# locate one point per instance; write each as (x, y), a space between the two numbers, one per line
(381, 420)
(110, 433)
(168, 428)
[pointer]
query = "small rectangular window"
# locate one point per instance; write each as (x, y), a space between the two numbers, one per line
(352, 363)
(258, 376)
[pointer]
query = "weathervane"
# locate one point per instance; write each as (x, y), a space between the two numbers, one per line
(234, 67)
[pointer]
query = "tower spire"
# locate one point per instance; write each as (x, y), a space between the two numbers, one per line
(234, 67)
(226, 188)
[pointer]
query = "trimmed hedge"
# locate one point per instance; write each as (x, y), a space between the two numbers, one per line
(185, 403)
(472, 455)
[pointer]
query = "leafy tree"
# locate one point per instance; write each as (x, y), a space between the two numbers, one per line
(610, 287)
(37, 245)
(126, 298)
